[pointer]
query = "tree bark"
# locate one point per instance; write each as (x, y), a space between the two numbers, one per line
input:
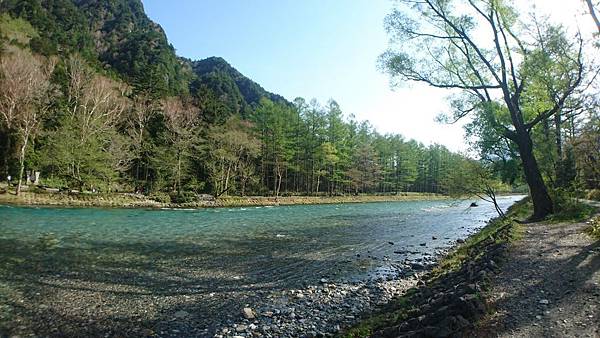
(593, 13)
(22, 163)
(542, 203)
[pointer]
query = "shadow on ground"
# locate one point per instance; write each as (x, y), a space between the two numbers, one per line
(102, 288)
(570, 286)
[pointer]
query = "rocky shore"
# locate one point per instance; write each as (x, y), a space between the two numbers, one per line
(448, 306)
(315, 311)
(447, 301)
(439, 304)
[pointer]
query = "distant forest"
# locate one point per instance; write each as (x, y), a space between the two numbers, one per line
(94, 97)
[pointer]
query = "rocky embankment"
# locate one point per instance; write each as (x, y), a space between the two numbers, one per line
(130, 200)
(445, 304)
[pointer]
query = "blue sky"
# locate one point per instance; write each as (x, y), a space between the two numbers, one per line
(308, 48)
(315, 49)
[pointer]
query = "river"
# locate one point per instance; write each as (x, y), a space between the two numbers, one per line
(119, 264)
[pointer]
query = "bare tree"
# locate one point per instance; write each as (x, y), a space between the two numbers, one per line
(142, 111)
(180, 119)
(96, 104)
(24, 89)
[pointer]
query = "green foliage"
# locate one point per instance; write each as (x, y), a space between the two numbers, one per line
(226, 135)
(250, 91)
(183, 197)
(568, 207)
(161, 197)
(16, 31)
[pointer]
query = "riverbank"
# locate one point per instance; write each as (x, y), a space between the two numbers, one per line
(129, 200)
(448, 299)
(508, 280)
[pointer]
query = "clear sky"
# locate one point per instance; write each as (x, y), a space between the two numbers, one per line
(314, 49)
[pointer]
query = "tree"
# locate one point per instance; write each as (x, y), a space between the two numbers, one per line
(587, 150)
(231, 151)
(181, 120)
(594, 13)
(469, 178)
(272, 122)
(79, 149)
(24, 89)
(442, 44)
(137, 122)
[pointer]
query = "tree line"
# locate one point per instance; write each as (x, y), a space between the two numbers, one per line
(84, 130)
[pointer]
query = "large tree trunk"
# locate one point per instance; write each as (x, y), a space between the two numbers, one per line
(542, 203)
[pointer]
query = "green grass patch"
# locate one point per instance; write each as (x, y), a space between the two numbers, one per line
(593, 194)
(572, 211)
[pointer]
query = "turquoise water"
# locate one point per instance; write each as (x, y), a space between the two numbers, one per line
(244, 245)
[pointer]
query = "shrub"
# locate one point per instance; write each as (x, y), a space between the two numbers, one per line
(594, 228)
(593, 194)
(184, 197)
(161, 197)
(568, 207)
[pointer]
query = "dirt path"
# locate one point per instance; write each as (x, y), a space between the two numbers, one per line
(549, 285)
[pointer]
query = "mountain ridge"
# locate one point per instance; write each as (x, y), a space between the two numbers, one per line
(118, 36)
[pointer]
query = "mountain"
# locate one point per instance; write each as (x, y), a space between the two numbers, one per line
(217, 80)
(117, 37)
(250, 90)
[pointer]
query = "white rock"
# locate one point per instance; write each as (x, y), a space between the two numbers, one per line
(248, 313)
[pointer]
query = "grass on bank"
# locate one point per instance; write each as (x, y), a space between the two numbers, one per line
(594, 228)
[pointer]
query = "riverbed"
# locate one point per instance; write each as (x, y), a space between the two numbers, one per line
(137, 272)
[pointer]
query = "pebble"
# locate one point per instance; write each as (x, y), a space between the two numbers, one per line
(181, 314)
(248, 313)
(316, 308)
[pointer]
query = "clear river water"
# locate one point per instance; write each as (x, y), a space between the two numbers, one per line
(252, 245)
